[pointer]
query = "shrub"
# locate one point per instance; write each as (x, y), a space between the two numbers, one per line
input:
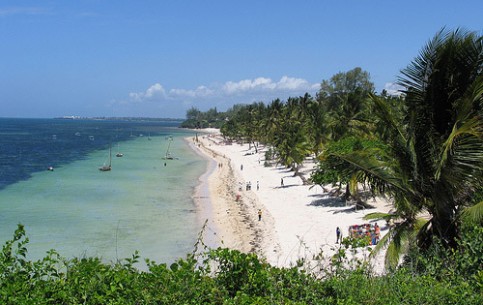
(224, 276)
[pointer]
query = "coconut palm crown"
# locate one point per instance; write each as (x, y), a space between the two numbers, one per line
(434, 159)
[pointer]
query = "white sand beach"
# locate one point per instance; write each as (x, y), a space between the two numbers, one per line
(298, 221)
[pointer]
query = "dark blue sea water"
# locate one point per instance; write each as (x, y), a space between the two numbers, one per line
(32, 145)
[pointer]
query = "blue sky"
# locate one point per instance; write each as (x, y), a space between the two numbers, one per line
(160, 58)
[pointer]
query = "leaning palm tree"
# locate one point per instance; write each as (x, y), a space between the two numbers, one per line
(444, 97)
(434, 160)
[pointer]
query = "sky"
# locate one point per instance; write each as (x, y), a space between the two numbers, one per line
(159, 58)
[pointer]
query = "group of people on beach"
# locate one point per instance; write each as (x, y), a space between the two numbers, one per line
(372, 232)
(369, 231)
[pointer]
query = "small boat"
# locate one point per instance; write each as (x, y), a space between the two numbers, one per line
(168, 155)
(119, 154)
(106, 168)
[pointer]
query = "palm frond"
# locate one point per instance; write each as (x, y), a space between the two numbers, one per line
(423, 228)
(379, 215)
(375, 169)
(400, 145)
(473, 214)
(393, 254)
(417, 75)
(464, 146)
(385, 112)
(399, 239)
(420, 223)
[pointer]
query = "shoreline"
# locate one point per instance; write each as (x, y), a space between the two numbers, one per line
(298, 221)
(226, 224)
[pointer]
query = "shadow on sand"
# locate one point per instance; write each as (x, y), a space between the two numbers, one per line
(337, 202)
(328, 202)
(286, 186)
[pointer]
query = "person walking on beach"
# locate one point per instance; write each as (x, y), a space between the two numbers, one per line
(377, 232)
(337, 233)
(259, 214)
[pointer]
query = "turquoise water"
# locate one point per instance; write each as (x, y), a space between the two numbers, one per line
(141, 204)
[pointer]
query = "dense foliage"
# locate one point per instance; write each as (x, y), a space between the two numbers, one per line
(223, 276)
(197, 119)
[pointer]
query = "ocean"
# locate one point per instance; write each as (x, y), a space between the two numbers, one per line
(144, 203)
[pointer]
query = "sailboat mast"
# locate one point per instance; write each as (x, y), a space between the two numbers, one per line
(106, 168)
(110, 155)
(167, 150)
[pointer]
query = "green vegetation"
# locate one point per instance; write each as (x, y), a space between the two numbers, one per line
(210, 119)
(223, 276)
(423, 149)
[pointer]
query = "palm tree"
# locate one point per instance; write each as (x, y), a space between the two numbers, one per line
(290, 137)
(315, 119)
(434, 160)
(270, 123)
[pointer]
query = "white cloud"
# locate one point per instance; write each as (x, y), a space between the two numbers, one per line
(290, 83)
(259, 88)
(393, 89)
(223, 96)
(260, 83)
(201, 91)
(155, 92)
